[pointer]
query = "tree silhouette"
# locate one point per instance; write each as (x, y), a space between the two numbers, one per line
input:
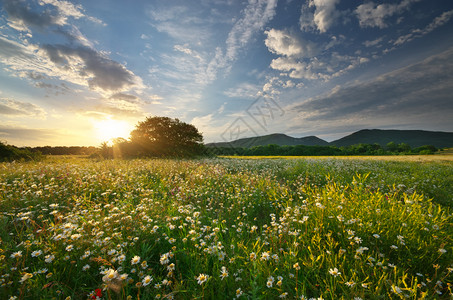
(163, 136)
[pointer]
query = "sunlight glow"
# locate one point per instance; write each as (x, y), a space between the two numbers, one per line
(106, 130)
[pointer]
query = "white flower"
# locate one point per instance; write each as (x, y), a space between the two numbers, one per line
(16, 254)
(147, 280)
(36, 253)
(86, 267)
(49, 258)
(135, 260)
(334, 272)
(110, 274)
(202, 278)
(26, 276)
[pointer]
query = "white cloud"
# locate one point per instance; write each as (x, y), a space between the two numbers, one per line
(409, 95)
(371, 14)
(255, 15)
(243, 90)
(283, 42)
(417, 33)
(11, 108)
(318, 14)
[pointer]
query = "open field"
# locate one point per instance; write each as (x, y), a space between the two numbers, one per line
(322, 228)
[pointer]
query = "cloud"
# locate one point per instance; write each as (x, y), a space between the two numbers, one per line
(80, 65)
(100, 72)
(418, 33)
(255, 15)
(371, 14)
(243, 90)
(53, 13)
(318, 14)
(282, 42)
(16, 135)
(420, 93)
(11, 107)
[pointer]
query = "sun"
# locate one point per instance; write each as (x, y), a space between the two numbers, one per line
(106, 130)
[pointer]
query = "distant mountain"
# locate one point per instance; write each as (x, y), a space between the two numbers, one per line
(414, 138)
(276, 138)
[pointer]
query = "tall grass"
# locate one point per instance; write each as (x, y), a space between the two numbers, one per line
(226, 228)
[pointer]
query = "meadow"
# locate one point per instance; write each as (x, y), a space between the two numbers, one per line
(227, 228)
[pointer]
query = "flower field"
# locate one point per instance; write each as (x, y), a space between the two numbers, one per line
(73, 228)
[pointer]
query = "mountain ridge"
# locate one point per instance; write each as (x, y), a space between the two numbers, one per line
(414, 138)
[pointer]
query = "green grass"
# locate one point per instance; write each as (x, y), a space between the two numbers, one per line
(294, 228)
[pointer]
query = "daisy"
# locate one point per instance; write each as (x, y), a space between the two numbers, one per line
(334, 272)
(135, 260)
(202, 278)
(147, 280)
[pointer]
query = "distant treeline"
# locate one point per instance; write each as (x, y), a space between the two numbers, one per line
(11, 153)
(301, 150)
(62, 150)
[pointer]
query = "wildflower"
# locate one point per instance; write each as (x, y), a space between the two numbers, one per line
(202, 278)
(69, 248)
(49, 258)
(296, 266)
(110, 274)
(147, 280)
(164, 259)
(350, 283)
(283, 295)
(394, 247)
(25, 277)
(265, 256)
(223, 273)
(86, 267)
(376, 235)
(36, 253)
(144, 264)
(238, 292)
(171, 267)
(270, 281)
(334, 272)
(135, 260)
(16, 254)
(442, 251)
(252, 256)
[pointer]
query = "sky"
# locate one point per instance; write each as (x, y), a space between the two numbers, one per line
(82, 72)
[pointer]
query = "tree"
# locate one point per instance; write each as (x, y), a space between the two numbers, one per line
(163, 136)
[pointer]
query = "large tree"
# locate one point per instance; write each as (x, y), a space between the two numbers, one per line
(163, 136)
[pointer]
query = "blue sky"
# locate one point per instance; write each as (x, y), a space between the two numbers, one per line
(81, 72)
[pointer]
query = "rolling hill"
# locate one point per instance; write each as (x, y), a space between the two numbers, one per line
(276, 138)
(414, 138)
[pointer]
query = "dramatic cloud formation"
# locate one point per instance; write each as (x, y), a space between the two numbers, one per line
(386, 97)
(319, 14)
(282, 42)
(371, 14)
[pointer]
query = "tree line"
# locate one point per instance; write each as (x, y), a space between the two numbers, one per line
(302, 150)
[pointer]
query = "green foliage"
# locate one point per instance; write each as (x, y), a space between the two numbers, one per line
(302, 150)
(158, 137)
(226, 228)
(10, 153)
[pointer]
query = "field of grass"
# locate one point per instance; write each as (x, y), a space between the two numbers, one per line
(225, 228)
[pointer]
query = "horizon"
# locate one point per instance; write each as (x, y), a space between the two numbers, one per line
(81, 74)
(243, 138)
